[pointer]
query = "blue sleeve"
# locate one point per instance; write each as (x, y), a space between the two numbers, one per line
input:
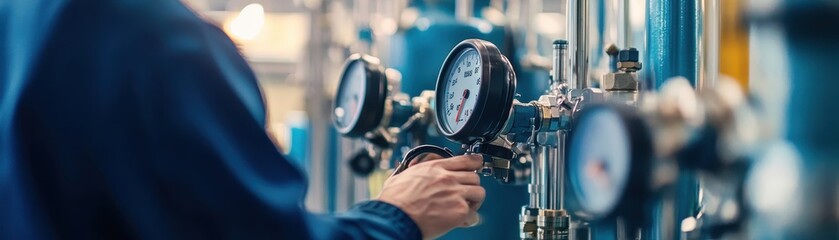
(199, 163)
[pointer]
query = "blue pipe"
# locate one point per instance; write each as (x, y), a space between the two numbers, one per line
(672, 30)
(811, 40)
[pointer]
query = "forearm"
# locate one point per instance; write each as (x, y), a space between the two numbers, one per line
(379, 220)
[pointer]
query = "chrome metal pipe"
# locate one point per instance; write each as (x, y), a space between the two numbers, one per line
(552, 160)
(558, 72)
(559, 169)
(578, 29)
(624, 38)
(535, 187)
(464, 10)
(709, 44)
(544, 153)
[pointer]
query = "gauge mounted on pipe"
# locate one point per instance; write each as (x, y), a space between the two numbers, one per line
(367, 107)
(474, 93)
(475, 96)
(609, 162)
(359, 105)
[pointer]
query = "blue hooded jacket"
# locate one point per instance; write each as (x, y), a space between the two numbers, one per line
(135, 119)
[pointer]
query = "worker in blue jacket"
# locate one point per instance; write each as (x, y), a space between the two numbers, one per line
(134, 119)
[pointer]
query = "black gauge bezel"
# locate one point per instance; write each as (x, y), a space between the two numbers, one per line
(372, 106)
(495, 99)
(635, 196)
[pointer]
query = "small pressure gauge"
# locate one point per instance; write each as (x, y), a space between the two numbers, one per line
(359, 105)
(474, 93)
(609, 158)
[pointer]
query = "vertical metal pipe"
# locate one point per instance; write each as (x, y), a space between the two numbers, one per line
(559, 173)
(552, 167)
(672, 38)
(558, 71)
(546, 154)
(624, 26)
(709, 44)
(672, 29)
(811, 119)
(531, 41)
(535, 187)
(464, 10)
(577, 19)
(318, 105)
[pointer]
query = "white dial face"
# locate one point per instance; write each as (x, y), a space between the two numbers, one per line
(463, 84)
(350, 95)
(600, 161)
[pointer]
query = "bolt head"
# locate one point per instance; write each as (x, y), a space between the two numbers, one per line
(628, 55)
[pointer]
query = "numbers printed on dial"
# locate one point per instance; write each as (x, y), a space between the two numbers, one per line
(462, 88)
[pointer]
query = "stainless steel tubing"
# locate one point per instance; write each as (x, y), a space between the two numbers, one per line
(545, 153)
(551, 157)
(558, 72)
(535, 187)
(709, 44)
(464, 10)
(578, 29)
(559, 171)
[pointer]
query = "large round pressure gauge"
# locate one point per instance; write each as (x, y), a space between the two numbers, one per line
(362, 92)
(474, 92)
(609, 161)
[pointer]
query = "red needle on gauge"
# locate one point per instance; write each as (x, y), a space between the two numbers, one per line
(462, 101)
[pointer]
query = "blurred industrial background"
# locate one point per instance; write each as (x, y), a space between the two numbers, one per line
(773, 179)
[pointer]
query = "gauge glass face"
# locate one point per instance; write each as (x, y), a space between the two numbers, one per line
(600, 161)
(351, 94)
(461, 89)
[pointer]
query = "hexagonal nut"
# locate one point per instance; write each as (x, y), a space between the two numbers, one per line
(629, 66)
(628, 55)
(619, 81)
(548, 100)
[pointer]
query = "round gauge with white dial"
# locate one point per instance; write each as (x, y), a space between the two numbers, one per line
(608, 161)
(461, 92)
(362, 92)
(474, 92)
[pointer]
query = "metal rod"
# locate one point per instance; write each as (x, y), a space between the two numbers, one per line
(552, 160)
(578, 14)
(624, 25)
(535, 175)
(558, 73)
(547, 155)
(709, 44)
(463, 10)
(560, 168)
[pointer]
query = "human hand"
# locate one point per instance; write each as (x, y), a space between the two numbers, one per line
(438, 195)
